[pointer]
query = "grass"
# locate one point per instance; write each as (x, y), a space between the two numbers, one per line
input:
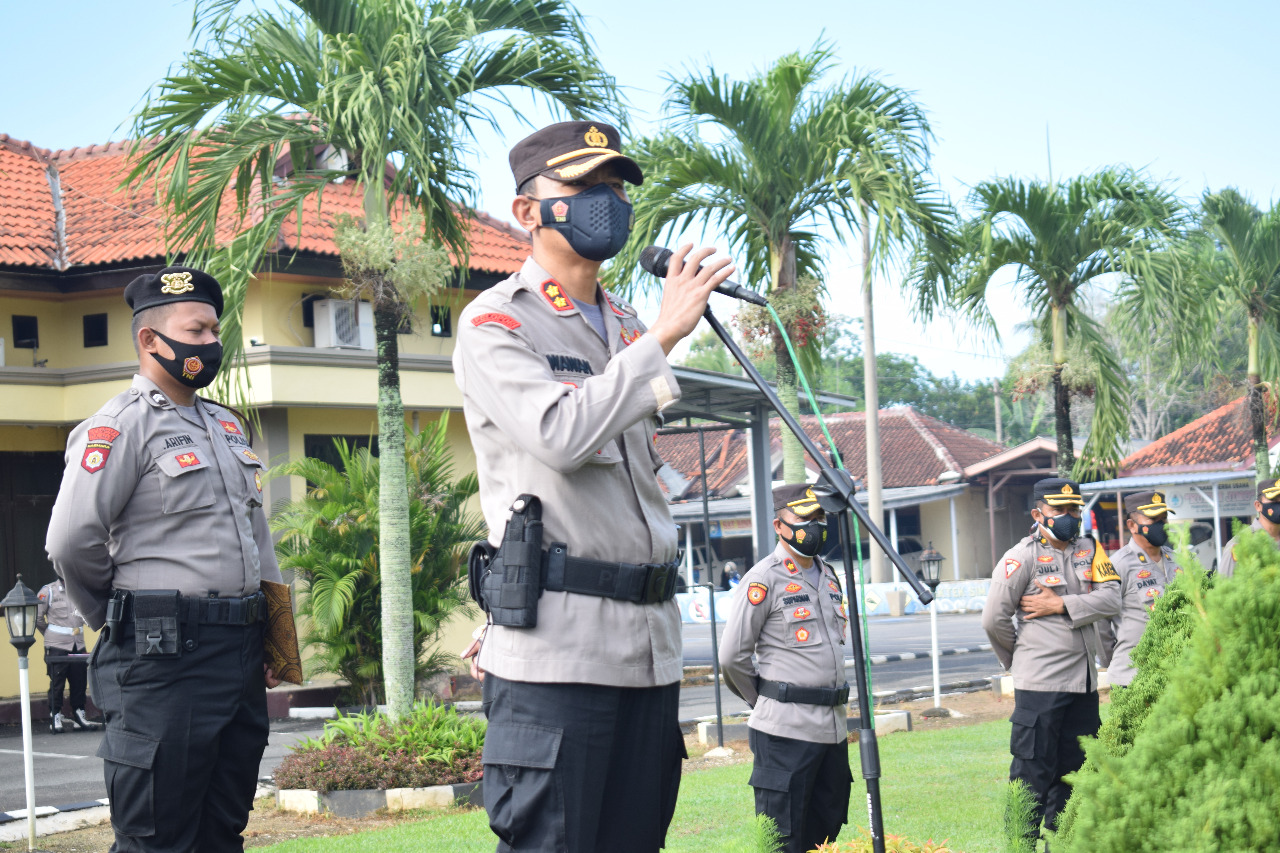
(947, 783)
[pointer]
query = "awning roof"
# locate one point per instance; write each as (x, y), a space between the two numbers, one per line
(1155, 481)
(715, 396)
(740, 507)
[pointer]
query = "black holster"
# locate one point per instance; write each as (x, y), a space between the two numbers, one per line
(508, 582)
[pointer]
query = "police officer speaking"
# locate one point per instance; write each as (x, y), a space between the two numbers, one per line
(1046, 594)
(789, 612)
(1145, 565)
(159, 533)
(63, 630)
(561, 386)
(1267, 507)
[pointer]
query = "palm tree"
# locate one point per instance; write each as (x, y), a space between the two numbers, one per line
(385, 92)
(1063, 240)
(781, 158)
(1237, 264)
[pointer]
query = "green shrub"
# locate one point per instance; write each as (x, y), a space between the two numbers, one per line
(1203, 769)
(1020, 826)
(432, 745)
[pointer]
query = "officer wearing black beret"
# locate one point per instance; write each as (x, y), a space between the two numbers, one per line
(1047, 593)
(789, 613)
(159, 534)
(561, 386)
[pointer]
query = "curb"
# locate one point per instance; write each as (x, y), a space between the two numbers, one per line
(878, 659)
(51, 820)
(358, 804)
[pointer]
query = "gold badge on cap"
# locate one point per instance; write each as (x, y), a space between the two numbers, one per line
(1157, 498)
(1066, 490)
(177, 283)
(595, 137)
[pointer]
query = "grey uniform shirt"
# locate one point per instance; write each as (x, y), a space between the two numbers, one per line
(1051, 653)
(57, 619)
(155, 499)
(796, 628)
(1227, 561)
(555, 411)
(1142, 582)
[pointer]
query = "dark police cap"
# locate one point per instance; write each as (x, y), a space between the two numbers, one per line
(173, 284)
(1057, 491)
(797, 497)
(1269, 490)
(1150, 504)
(569, 150)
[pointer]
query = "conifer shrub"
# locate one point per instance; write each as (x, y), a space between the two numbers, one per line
(1203, 769)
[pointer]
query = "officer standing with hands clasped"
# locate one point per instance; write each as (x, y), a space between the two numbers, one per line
(562, 385)
(1046, 594)
(789, 612)
(1145, 565)
(159, 533)
(63, 631)
(1267, 507)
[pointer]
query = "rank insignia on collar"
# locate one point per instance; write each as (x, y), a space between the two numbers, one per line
(1011, 566)
(791, 566)
(801, 613)
(186, 460)
(756, 593)
(802, 635)
(231, 427)
(1045, 558)
(793, 587)
(555, 296)
(158, 398)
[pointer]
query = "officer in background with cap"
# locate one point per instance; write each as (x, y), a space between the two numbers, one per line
(1145, 565)
(63, 631)
(562, 385)
(1046, 595)
(159, 533)
(789, 612)
(1267, 507)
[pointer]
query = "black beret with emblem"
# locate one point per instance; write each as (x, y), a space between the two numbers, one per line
(1150, 504)
(569, 150)
(797, 497)
(1057, 491)
(173, 284)
(1269, 490)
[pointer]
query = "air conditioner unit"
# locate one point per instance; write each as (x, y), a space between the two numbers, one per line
(344, 323)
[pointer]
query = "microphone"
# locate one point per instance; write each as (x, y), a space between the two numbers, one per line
(654, 259)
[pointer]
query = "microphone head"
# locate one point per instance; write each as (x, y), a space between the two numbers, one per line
(654, 259)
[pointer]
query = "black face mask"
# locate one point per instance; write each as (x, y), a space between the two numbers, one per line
(806, 539)
(1064, 528)
(195, 365)
(1271, 511)
(595, 221)
(1154, 533)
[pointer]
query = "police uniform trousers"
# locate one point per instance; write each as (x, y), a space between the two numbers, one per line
(803, 786)
(1045, 742)
(580, 768)
(184, 738)
(65, 674)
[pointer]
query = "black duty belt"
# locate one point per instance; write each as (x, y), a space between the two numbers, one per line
(648, 583)
(781, 691)
(207, 611)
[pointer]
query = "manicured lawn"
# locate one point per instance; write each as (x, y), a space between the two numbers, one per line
(938, 784)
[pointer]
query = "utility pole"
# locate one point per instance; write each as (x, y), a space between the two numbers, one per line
(995, 388)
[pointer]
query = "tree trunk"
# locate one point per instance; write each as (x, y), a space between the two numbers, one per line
(398, 652)
(783, 261)
(1257, 407)
(1061, 395)
(871, 383)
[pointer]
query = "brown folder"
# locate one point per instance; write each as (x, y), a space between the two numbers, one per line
(280, 644)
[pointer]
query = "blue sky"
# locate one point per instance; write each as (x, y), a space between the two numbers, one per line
(1184, 90)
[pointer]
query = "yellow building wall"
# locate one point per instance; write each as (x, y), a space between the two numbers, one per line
(38, 674)
(973, 540)
(60, 324)
(33, 438)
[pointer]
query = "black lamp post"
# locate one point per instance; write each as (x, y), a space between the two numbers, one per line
(20, 607)
(930, 567)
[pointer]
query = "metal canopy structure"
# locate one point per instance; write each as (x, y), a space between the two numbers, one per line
(734, 400)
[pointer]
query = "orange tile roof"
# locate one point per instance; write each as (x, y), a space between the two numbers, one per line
(106, 225)
(1220, 440)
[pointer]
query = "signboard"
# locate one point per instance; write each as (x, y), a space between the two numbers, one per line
(1234, 498)
(731, 527)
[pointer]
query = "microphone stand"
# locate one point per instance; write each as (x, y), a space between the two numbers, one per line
(835, 494)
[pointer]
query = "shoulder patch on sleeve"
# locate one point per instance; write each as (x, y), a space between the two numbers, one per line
(98, 448)
(1102, 570)
(1011, 566)
(495, 317)
(756, 593)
